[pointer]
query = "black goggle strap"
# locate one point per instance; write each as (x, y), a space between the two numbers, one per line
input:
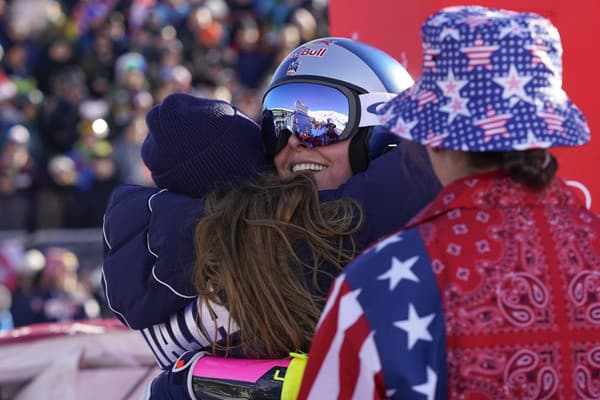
(282, 140)
(269, 137)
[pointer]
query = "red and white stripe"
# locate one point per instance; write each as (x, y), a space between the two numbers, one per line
(494, 124)
(426, 97)
(554, 121)
(433, 140)
(343, 361)
(428, 54)
(479, 54)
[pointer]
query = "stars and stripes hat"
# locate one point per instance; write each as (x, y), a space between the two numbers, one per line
(491, 81)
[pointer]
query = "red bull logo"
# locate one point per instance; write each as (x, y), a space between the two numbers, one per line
(307, 51)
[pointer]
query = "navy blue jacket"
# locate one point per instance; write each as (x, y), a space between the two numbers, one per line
(148, 234)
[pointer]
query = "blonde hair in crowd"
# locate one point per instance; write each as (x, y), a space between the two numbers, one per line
(247, 260)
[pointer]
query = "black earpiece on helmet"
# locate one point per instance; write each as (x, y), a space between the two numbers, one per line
(272, 143)
(368, 144)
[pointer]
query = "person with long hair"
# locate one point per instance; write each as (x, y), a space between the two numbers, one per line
(265, 288)
(492, 290)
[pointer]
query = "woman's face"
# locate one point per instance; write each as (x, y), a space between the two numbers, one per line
(330, 164)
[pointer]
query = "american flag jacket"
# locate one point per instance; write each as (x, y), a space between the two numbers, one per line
(492, 292)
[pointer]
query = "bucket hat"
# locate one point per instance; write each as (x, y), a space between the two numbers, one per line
(491, 81)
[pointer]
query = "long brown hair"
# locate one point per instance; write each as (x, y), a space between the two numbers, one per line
(247, 261)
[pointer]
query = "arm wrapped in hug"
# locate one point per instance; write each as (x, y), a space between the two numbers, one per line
(200, 376)
(146, 254)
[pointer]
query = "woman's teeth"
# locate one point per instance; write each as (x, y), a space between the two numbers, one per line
(308, 167)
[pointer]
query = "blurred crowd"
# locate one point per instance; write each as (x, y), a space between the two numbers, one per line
(46, 285)
(78, 76)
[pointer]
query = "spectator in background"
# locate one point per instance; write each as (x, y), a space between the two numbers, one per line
(98, 64)
(14, 207)
(26, 265)
(6, 319)
(56, 294)
(18, 180)
(17, 61)
(127, 147)
(27, 105)
(89, 201)
(251, 59)
(60, 112)
(10, 260)
(131, 78)
(57, 197)
(58, 57)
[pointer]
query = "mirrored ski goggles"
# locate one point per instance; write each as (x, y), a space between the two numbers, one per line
(321, 114)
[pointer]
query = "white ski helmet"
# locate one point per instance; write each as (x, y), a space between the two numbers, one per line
(340, 80)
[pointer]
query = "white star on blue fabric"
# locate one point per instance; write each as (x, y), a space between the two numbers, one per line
(452, 32)
(428, 388)
(513, 29)
(415, 326)
(388, 240)
(400, 270)
(451, 86)
(403, 128)
(532, 142)
(514, 84)
(457, 106)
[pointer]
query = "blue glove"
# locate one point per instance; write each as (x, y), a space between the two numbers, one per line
(175, 383)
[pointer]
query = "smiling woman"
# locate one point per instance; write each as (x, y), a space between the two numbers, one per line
(330, 164)
(318, 102)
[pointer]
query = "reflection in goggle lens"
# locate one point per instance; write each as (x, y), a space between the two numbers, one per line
(315, 114)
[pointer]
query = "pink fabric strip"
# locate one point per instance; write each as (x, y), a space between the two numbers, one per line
(235, 368)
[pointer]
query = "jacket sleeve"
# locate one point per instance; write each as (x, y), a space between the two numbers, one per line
(343, 361)
(148, 253)
(394, 188)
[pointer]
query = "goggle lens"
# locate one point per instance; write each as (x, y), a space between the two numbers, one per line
(316, 114)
